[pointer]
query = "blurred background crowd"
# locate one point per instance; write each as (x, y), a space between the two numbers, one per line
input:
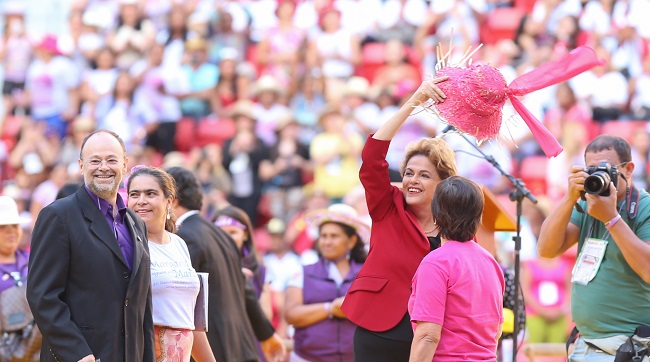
(269, 102)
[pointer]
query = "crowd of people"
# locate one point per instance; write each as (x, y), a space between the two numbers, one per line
(261, 113)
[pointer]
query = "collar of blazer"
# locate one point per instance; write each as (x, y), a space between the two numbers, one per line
(105, 234)
(138, 242)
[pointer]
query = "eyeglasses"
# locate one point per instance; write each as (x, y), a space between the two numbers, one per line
(96, 162)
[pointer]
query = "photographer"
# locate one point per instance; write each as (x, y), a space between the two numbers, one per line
(611, 281)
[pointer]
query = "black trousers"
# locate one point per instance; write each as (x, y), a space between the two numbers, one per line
(369, 347)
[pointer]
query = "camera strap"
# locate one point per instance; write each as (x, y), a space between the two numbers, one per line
(631, 201)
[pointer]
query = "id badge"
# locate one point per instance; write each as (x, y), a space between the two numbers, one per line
(588, 261)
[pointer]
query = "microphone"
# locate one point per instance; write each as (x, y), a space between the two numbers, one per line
(446, 130)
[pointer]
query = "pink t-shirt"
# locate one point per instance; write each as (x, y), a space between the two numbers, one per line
(548, 282)
(460, 286)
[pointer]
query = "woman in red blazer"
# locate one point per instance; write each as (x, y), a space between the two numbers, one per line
(403, 232)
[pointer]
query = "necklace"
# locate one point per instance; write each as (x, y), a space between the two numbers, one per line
(434, 228)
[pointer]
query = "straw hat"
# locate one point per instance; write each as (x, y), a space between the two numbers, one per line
(276, 226)
(174, 159)
(285, 119)
(244, 108)
(327, 110)
(267, 83)
(476, 94)
(9, 212)
(340, 213)
(83, 124)
(357, 86)
(196, 43)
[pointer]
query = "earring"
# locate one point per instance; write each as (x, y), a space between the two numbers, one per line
(168, 215)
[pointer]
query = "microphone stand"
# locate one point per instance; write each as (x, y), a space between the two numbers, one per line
(518, 194)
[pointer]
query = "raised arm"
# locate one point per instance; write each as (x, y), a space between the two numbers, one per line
(557, 233)
(427, 90)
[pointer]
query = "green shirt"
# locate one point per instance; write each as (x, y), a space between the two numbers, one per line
(617, 300)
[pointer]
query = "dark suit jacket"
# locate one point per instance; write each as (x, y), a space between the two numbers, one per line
(80, 290)
(235, 318)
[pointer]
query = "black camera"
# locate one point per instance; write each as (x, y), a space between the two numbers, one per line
(597, 183)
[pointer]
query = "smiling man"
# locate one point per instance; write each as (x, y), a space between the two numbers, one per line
(89, 285)
(608, 217)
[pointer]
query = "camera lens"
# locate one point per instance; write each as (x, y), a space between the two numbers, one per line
(597, 183)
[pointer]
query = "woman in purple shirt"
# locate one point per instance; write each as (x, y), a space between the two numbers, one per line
(314, 298)
(13, 261)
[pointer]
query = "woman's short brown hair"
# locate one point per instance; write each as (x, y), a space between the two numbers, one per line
(437, 151)
(457, 207)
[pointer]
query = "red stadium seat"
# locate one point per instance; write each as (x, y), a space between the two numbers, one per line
(413, 56)
(525, 5)
(533, 173)
(373, 56)
(185, 134)
(214, 130)
(10, 129)
(501, 23)
(623, 129)
(251, 57)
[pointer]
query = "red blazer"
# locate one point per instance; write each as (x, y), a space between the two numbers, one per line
(378, 297)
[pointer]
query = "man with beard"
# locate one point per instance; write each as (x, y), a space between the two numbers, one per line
(89, 284)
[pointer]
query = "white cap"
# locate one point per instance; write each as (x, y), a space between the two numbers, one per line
(9, 212)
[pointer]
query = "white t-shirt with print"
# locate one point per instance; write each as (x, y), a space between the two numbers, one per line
(49, 84)
(174, 284)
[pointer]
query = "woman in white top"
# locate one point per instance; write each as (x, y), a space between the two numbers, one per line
(333, 49)
(174, 282)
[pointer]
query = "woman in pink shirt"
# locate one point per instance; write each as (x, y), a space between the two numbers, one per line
(456, 303)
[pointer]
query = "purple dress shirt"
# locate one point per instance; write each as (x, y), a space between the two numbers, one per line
(14, 274)
(118, 224)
